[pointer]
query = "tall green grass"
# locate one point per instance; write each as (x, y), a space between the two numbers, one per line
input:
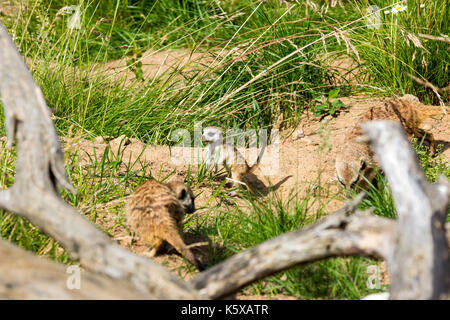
(243, 82)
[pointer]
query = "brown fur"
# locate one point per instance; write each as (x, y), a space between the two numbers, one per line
(356, 158)
(155, 212)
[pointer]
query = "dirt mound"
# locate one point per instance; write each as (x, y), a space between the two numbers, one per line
(303, 156)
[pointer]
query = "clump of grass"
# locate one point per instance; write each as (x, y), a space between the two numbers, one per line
(25, 235)
(253, 80)
(237, 228)
(269, 219)
(396, 49)
(433, 167)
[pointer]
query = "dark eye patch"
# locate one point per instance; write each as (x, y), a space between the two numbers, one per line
(183, 194)
(363, 166)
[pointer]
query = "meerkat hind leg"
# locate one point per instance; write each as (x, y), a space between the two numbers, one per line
(156, 245)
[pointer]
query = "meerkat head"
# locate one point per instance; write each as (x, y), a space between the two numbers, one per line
(354, 165)
(184, 195)
(212, 134)
(349, 173)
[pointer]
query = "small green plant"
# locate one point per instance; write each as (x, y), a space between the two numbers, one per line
(134, 63)
(329, 105)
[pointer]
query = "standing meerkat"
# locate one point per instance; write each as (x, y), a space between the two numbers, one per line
(155, 212)
(356, 160)
(220, 153)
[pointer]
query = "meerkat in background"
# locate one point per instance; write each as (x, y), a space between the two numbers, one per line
(355, 164)
(155, 212)
(220, 153)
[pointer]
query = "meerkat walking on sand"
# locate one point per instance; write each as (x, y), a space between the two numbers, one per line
(155, 212)
(220, 153)
(355, 164)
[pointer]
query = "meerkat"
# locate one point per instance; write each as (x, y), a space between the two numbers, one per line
(155, 211)
(220, 153)
(355, 164)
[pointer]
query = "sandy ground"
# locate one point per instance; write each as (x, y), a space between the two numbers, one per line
(173, 65)
(293, 163)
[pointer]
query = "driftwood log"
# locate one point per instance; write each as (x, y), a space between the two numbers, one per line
(415, 245)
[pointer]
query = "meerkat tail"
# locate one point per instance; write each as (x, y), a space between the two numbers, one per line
(174, 238)
(258, 161)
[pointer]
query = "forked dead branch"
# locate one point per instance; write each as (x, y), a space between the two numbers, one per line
(415, 245)
(34, 195)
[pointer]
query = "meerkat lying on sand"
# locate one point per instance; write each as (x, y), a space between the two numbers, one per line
(355, 164)
(155, 212)
(220, 153)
